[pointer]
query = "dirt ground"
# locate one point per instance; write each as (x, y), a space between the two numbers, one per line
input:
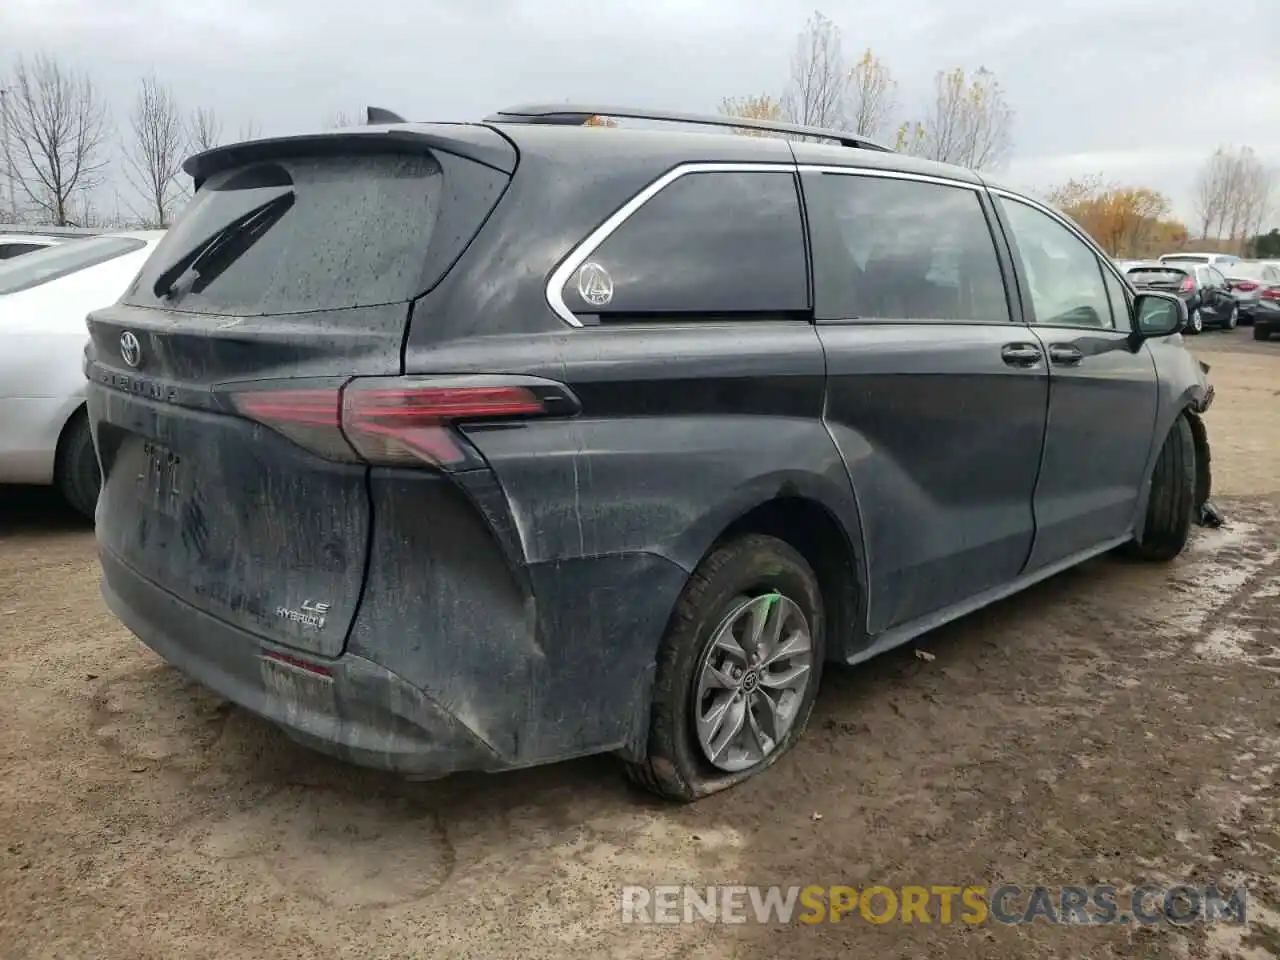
(1116, 724)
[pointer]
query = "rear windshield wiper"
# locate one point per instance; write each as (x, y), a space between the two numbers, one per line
(222, 248)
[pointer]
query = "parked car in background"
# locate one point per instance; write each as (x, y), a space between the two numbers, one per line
(1203, 288)
(44, 299)
(1213, 259)
(1266, 311)
(1248, 279)
(568, 443)
(15, 244)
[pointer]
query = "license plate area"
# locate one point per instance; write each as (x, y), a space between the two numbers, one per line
(162, 481)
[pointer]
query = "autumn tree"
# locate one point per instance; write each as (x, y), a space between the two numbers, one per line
(600, 122)
(154, 155)
(204, 129)
(871, 95)
(815, 92)
(1124, 220)
(969, 122)
(761, 107)
(58, 126)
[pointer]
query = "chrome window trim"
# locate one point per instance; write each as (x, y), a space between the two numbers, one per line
(890, 175)
(579, 254)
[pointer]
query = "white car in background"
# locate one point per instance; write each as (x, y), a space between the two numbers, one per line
(44, 299)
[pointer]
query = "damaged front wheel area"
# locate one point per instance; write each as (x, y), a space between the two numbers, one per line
(738, 670)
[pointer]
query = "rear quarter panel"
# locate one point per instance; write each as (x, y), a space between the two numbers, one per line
(607, 513)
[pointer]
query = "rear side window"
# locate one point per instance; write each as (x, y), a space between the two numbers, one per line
(51, 263)
(301, 234)
(709, 245)
(904, 249)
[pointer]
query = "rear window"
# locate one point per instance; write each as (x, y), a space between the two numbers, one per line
(1190, 258)
(50, 263)
(314, 233)
(1157, 275)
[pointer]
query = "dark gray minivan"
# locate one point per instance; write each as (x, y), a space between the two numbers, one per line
(479, 446)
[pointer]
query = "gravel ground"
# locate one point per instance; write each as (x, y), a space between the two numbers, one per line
(1116, 724)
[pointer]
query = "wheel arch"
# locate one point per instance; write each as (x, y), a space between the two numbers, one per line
(829, 538)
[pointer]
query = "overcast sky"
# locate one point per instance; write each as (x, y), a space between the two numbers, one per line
(1140, 90)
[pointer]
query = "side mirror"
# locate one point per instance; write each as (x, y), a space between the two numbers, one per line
(1158, 315)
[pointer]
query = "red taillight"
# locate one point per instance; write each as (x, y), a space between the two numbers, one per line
(1187, 285)
(1271, 293)
(310, 418)
(399, 421)
(1244, 285)
(410, 424)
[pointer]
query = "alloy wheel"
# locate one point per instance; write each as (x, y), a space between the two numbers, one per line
(752, 680)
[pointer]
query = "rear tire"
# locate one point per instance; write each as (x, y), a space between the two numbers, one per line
(747, 570)
(1173, 497)
(1261, 333)
(1233, 319)
(75, 471)
(1195, 323)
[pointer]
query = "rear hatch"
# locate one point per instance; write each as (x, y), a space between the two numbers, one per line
(217, 381)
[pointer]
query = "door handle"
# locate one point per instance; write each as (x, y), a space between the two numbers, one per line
(1020, 354)
(1064, 354)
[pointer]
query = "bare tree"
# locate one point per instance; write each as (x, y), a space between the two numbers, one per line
(1249, 200)
(343, 119)
(250, 130)
(155, 154)
(969, 122)
(204, 129)
(58, 124)
(872, 95)
(1234, 194)
(1210, 191)
(815, 94)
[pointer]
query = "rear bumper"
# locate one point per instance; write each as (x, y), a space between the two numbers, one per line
(360, 712)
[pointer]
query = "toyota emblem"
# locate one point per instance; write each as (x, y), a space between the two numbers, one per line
(130, 349)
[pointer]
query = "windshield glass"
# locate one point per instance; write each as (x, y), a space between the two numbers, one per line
(41, 266)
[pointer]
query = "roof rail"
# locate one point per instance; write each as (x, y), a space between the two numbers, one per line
(378, 115)
(577, 114)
